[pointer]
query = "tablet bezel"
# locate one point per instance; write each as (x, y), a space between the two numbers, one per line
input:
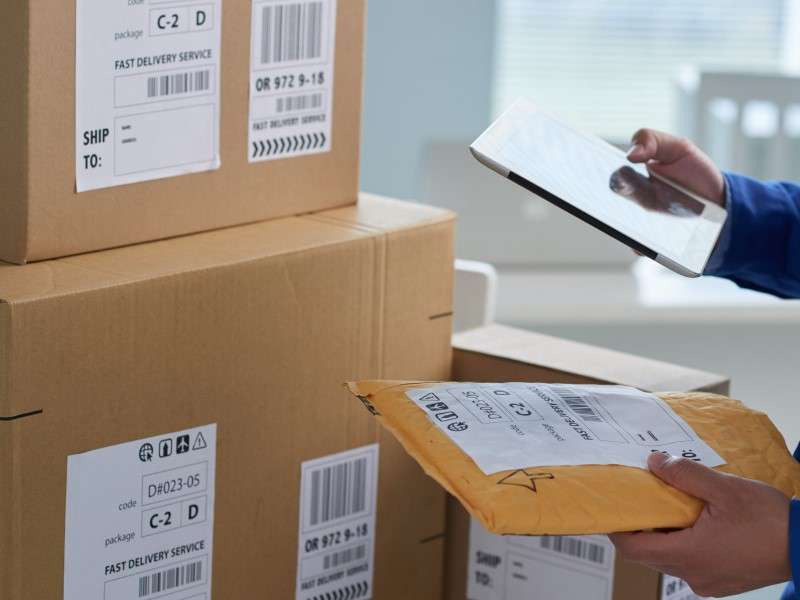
(713, 215)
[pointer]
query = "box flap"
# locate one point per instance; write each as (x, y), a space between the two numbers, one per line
(585, 362)
(208, 250)
(379, 213)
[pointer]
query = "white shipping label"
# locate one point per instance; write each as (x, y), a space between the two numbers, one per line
(516, 425)
(147, 90)
(140, 519)
(673, 588)
(291, 80)
(336, 545)
(539, 568)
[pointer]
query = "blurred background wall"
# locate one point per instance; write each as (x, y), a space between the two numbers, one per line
(428, 77)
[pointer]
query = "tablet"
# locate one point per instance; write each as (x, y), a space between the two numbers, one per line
(595, 182)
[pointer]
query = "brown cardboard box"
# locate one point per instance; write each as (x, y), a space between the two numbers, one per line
(497, 353)
(252, 328)
(42, 216)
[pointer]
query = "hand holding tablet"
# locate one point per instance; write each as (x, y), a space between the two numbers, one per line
(588, 178)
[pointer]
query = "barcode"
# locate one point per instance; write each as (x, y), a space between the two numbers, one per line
(170, 579)
(338, 491)
(579, 406)
(291, 31)
(178, 83)
(337, 559)
(294, 103)
(574, 547)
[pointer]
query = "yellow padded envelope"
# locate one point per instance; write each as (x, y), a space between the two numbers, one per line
(591, 499)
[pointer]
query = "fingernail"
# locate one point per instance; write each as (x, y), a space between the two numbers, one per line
(634, 150)
(656, 460)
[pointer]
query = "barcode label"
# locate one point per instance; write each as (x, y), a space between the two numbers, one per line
(338, 491)
(170, 579)
(336, 541)
(337, 559)
(178, 84)
(579, 406)
(287, 104)
(291, 31)
(574, 547)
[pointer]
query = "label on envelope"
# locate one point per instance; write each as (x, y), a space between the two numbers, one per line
(517, 425)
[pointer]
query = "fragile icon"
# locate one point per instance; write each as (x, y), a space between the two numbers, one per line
(446, 416)
(437, 406)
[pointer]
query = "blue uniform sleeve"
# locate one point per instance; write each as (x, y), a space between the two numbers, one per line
(759, 247)
(794, 541)
(790, 593)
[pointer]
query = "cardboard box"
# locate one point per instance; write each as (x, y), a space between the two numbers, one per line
(44, 149)
(253, 329)
(497, 353)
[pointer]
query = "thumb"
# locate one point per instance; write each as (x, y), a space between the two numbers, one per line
(689, 476)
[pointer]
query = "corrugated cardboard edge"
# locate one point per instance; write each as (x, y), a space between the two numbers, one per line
(518, 344)
(8, 512)
(14, 161)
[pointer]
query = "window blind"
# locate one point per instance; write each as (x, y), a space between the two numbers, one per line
(608, 67)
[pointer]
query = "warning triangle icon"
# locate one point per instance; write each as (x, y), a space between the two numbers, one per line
(199, 442)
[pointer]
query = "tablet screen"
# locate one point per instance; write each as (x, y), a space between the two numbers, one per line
(596, 178)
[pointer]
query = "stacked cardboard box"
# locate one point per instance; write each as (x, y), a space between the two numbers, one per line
(181, 394)
(482, 566)
(132, 120)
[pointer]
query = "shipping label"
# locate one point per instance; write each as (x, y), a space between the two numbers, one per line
(140, 519)
(291, 80)
(336, 545)
(147, 90)
(528, 568)
(516, 425)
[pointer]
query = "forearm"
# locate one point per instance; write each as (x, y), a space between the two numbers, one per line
(760, 245)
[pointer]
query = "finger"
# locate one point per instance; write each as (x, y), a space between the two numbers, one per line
(689, 476)
(652, 548)
(665, 148)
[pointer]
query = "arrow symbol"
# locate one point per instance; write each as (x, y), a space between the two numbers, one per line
(323, 138)
(255, 150)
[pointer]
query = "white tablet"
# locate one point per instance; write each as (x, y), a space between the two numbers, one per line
(595, 182)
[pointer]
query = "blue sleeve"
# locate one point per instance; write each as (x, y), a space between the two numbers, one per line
(794, 541)
(759, 247)
(794, 545)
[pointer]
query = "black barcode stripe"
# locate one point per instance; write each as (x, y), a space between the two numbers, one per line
(579, 405)
(169, 579)
(178, 83)
(574, 547)
(294, 103)
(291, 31)
(338, 491)
(337, 559)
